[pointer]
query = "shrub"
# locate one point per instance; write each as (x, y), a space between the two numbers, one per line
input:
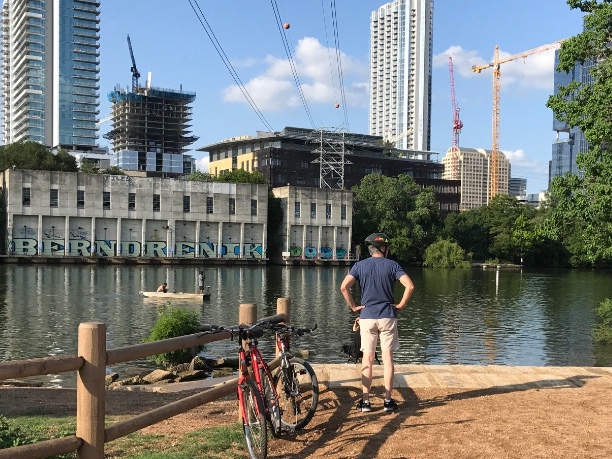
(173, 322)
(12, 436)
(603, 330)
(446, 254)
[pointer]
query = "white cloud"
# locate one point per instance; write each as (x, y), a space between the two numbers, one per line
(275, 88)
(202, 163)
(535, 71)
(520, 160)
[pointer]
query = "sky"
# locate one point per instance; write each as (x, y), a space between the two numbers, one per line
(169, 41)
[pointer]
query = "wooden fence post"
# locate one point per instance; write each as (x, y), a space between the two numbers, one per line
(91, 390)
(283, 306)
(247, 314)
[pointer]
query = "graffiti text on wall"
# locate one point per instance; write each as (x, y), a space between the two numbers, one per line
(82, 247)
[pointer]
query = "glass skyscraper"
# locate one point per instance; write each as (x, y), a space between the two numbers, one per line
(569, 141)
(50, 72)
(401, 49)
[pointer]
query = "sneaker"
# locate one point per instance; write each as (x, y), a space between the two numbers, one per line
(390, 405)
(364, 405)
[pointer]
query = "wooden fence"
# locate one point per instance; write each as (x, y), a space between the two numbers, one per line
(90, 364)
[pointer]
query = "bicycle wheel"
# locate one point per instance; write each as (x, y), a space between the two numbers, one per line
(270, 397)
(254, 420)
(298, 391)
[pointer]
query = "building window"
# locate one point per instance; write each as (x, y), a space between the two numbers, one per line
(54, 197)
(297, 209)
(232, 206)
(80, 199)
(25, 196)
(106, 203)
(253, 206)
(313, 210)
(131, 201)
(186, 203)
(328, 211)
(209, 205)
(343, 212)
(156, 203)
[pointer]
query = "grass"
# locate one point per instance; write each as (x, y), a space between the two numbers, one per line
(221, 442)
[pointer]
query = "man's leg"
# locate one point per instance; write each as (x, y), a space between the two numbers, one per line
(389, 372)
(366, 374)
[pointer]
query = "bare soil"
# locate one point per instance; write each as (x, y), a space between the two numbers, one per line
(431, 423)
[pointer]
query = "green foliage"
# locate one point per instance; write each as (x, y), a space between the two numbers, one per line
(173, 322)
(504, 229)
(199, 176)
(603, 330)
(446, 254)
(399, 207)
(234, 176)
(34, 156)
(88, 166)
(580, 211)
(113, 170)
(10, 435)
(26, 430)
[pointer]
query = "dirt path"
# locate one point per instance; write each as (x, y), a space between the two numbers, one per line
(551, 422)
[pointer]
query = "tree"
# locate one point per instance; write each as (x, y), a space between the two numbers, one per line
(580, 213)
(34, 156)
(446, 254)
(399, 207)
(470, 232)
(199, 176)
(241, 176)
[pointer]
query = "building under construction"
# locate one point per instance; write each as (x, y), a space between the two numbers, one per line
(150, 130)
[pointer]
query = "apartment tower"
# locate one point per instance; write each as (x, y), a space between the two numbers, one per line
(401, 47)
(50, 66)
(473, 166)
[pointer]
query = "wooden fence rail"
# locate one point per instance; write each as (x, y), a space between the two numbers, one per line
(90, 365)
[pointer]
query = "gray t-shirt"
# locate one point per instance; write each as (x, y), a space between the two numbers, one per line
(376, 277)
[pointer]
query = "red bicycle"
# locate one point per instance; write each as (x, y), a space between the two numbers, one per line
(257, 396)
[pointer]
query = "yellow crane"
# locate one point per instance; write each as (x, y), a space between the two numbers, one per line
(494, 168)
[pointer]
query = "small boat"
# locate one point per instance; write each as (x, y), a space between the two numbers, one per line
(176, 295)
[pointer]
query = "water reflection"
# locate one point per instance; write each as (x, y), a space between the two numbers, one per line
(454, 317)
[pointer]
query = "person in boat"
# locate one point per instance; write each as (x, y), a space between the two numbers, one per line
(163, 288)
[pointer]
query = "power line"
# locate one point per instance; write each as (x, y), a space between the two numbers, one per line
(296, 77)
(227, 62)
(339, 60)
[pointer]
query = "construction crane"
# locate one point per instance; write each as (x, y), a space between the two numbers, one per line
(397, 137)
(135, 73)
(495, 160)
(457, 124)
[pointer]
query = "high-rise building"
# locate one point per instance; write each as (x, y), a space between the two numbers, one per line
(569, 141)
(473, 166)
(401, 47)
(50, 66)
(150, 132)
(517, 187)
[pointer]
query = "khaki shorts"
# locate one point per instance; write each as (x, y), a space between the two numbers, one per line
(370, 329)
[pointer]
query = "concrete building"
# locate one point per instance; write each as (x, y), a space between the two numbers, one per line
(569, 141)
(316, 223)
(150, 130)
(401, 49)
(295, 156)
(50, 66)
(73, 214)
(473, 166)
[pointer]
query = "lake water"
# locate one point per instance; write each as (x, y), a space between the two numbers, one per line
(454, 317)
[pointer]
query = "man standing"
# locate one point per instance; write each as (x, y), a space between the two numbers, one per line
(201, 278)
(376, 277)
